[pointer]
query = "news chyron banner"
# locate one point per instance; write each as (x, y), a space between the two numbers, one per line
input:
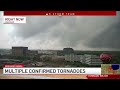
(60, 13)
(107, 71)
(20, 70)
(18, 17)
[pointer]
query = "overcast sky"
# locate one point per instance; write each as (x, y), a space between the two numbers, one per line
(55, 32)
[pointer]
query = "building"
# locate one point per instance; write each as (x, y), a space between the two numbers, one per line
(87, 59)
(92, 60)
(48, 52)
(19, 51)
(68, 51)
(73, 58)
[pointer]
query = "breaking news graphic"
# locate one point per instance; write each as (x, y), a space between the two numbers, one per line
(13, 20)
(59, 45)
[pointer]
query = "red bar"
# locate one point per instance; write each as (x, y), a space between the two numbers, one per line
(60, 13)
(14, 66)
(103, 76)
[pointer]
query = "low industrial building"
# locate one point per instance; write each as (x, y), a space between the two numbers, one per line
(87, 59)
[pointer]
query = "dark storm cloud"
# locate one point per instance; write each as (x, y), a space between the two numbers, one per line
(35, 26)
(109, 38)
(77, 32)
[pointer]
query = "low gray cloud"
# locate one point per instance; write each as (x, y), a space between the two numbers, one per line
(35, 25)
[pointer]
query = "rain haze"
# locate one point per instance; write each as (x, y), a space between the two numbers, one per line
(58, 32)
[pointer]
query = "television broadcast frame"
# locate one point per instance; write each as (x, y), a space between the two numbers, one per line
(67, 43)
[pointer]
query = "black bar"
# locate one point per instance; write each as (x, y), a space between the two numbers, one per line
(59, 5)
